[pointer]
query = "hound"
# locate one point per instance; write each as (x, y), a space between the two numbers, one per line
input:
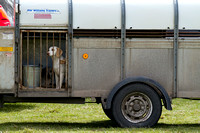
(58, 64)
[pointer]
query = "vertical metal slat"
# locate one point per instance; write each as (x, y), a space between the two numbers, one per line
(20, 80)
(40, 60)
(53, 65)
(34, 60)
(46, 58)
(18, 41)
(27, 58)
(123, 38)
(59, 61)
(66, 64)
(70, 42)
(176, 34)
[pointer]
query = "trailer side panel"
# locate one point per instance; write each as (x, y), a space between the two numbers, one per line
(7, 60)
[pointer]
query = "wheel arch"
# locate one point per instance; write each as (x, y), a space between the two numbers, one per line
(143, 80)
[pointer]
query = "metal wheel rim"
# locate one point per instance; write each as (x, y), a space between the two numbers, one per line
(136, 107)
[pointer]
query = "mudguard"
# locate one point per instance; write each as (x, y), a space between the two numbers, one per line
(144, 80)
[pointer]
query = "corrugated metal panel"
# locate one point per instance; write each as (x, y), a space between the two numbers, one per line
(98, 74)
(146, 58)
(188, 68)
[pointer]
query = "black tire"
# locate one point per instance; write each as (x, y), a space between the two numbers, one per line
(108, 113)
(136, 105)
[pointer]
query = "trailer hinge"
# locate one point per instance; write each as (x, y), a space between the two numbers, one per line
(17, 10)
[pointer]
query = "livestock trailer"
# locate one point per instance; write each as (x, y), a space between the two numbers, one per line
(132, 56)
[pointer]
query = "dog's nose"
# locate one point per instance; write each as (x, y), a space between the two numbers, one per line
(48, 53)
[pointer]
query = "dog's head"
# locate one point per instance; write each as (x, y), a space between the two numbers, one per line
(54, 51)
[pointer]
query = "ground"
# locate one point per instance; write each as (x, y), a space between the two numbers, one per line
(40, 117)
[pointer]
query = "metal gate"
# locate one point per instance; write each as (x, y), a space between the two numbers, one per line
(37, 69)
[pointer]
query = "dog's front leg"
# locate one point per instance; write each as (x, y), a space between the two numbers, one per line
(57, 81)
(61, 78)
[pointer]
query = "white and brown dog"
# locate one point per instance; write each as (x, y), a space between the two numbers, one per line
(58, 64)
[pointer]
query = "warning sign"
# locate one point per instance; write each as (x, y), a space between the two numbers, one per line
(6, 49)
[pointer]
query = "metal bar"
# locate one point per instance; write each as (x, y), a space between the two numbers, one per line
(143, 36)
(53, 64)
(95, 35)
(70, 42)
(45, 31)
(46, 59)
(40, 59)
(34, 60)
(59, 60)
(20, 64)
(189, 32)
(123, 37)
(66, 72)
(27, 58)
(128, 31)
(176, 34)
(97, 31)
(189, 35)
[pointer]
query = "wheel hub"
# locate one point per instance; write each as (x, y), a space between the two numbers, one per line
(136, 107)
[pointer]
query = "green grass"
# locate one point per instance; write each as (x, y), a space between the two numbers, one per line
(29, 117)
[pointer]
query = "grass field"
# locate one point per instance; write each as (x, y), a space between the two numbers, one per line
(29, 117)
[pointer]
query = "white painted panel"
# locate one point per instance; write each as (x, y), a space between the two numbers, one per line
(97, 14)
(189, 11)
(7, 60)
(43, 13)
(149, 14)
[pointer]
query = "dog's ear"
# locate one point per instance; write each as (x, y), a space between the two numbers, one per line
(59, 52)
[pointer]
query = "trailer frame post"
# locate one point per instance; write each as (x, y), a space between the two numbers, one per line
(123, 38)
(70, 43)
(17, 44)
(176, 38)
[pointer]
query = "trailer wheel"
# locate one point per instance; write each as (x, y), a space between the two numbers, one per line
(137, 105)
(108, 113)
